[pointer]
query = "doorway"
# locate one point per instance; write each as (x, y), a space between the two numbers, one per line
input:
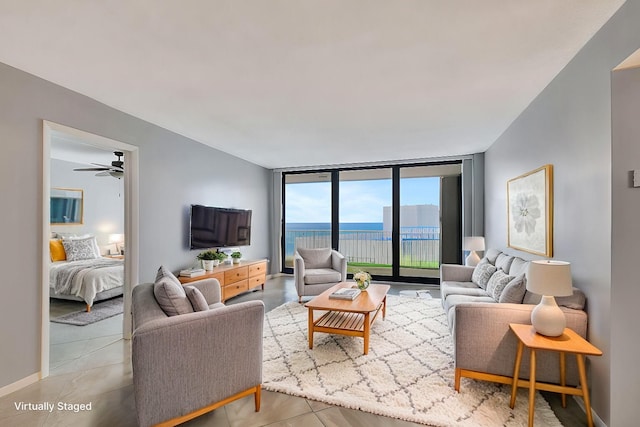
(130, 195)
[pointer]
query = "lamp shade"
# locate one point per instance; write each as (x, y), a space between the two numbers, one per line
(548, 277)
(116, 238)
(474, 243)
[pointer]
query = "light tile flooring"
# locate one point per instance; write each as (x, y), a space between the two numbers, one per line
(92, 364)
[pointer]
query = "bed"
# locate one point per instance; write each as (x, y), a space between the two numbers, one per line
(83, 277)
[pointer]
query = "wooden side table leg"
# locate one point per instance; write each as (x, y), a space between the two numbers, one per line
(367, 328)
(456, 381)
(310, 328)
(584, 388)
(532, 387)
(563, 376)
(516, 374)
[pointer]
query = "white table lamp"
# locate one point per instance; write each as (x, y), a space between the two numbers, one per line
(550, 279)
(473, 244)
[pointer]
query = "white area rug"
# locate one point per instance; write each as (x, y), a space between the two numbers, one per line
(408, 373)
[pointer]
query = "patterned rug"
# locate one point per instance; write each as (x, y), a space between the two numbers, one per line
(100, 311)
(408, 373)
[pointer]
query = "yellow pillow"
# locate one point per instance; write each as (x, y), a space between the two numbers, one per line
(57, 250)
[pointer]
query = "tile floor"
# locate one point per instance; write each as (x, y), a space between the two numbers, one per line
(91, 364)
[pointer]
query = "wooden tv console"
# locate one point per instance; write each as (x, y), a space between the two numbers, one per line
(235, 278)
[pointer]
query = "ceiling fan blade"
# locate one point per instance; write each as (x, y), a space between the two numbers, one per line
(116, 169)
(104, 173)
(91, 169)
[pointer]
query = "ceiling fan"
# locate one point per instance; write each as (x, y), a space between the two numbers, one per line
(116, 169)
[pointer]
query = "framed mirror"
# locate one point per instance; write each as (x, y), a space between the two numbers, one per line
(66, 206)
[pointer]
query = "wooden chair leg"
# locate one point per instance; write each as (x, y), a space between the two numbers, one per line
(257, 397)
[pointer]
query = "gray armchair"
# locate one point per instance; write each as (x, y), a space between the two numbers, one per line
(185, 365)
(316, 270)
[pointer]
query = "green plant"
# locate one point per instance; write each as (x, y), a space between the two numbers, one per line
(221, 256)
(236, 254)
(207, 255)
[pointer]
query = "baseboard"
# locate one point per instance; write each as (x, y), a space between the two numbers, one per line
(10, 388)
(597, 421)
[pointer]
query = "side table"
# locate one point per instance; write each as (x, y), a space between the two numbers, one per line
(568, 342)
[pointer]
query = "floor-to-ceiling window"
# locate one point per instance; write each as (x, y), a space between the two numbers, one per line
(365, 237)
(419, 221)
(307, 213)
(386, 220)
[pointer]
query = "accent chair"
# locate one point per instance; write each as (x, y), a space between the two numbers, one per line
(316, 270)
(192, 354)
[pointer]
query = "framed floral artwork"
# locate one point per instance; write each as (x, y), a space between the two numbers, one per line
(530, 212)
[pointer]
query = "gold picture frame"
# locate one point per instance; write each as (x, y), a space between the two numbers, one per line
(67, 206)
(530, 212)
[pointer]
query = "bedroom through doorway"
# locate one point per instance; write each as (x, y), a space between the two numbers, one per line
(91, 245)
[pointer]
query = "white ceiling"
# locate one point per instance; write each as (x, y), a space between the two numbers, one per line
(289, 83)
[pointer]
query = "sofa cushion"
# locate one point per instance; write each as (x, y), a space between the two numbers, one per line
(453, 300)
(170, 295)
(498, 281)
(460, 288)
(503, 262)
(515, 290)
(317, 276)
(518, 267)
(197, 300)
(316, 258)
(482, 273)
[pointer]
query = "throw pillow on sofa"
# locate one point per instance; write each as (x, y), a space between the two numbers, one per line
(170, 294)
(497, 283)
(515, 290)
(196, 298)
(482, 273)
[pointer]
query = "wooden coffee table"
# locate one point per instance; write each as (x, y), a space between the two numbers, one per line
(346, 317)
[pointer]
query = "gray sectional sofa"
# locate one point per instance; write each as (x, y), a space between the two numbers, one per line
(481, 301)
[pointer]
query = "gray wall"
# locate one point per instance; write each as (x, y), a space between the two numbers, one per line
(625, 289)
(103, 200)
(174, 172)
(569, 126)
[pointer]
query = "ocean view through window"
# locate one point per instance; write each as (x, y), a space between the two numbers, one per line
(384, 220)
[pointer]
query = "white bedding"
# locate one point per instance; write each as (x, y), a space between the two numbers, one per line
(85, 279)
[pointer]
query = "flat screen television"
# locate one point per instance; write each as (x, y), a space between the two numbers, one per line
(213, 227)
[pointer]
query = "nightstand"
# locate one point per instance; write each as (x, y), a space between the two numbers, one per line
(568, 342)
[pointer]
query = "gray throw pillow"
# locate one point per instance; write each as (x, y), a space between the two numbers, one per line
(498, 281)
(515, 290)
(79, 249)
(196, 298)
(503, 262)
(170, 295)
(482, 273)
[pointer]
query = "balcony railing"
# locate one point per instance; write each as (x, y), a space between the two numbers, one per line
(419, 246)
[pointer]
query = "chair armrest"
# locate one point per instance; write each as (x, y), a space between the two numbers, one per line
(210, 289)
(298, 270)
(455, 273)
(339, 263)
(483, 341)
(185, 362)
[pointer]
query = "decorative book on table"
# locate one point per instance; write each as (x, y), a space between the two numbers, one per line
(192, 272)
(345, 293)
